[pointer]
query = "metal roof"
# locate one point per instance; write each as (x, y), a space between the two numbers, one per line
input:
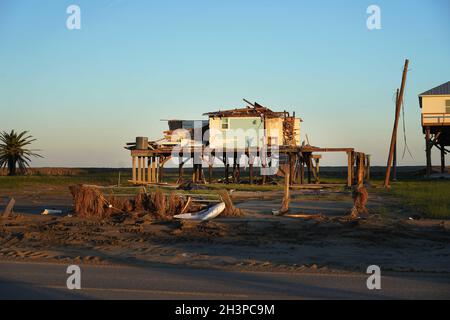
(443, 89)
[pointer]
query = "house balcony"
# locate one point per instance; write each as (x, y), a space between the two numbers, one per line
(435, 119)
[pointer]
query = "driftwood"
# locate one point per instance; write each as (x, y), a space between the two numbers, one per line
(317, 217)
(9, 208)
(186, 205)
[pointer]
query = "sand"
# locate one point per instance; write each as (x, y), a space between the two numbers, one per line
(257, 241)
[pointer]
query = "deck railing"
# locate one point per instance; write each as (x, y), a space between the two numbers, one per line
(435, 119)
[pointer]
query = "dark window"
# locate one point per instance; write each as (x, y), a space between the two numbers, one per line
(225, 123)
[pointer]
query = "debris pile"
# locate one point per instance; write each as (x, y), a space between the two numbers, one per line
(90, 202)
(230, 209)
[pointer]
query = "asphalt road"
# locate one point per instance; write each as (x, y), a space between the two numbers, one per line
(48, 281)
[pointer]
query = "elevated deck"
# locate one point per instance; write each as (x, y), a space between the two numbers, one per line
(148, 164)
(435, 119)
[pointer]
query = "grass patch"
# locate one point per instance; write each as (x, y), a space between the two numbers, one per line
(430, 198)
(37, 182)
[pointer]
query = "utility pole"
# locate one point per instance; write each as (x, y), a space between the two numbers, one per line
(394, 131)
(394, 166)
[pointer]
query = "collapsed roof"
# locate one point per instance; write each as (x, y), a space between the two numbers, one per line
(254, 110)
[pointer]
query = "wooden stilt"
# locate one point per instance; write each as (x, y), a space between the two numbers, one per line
(308, 165)
(286, 196)
(299, 169)
(154, 169)
(357, 156)
(302, 170)
(150, 169)
(313, 170)
(353, 168)
(157, 169)
(194, 173)
(210, 169)
(368, 167)
(143, 169)
(361, 167)
(295, 177)
(161, 170)
(264, 177)
(144, 159)
(180, 170)
(238, 177)
(251, 160)
(428, 150)
(291, 167)
(442, 158)
(349, 169)
(133, 173)
(226, 166)
(318, 165)
(235, 168)
(139, 173)
(200, 177)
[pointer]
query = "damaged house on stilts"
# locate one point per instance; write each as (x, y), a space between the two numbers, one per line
(252, 136)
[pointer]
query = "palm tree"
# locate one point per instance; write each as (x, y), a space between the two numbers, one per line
(13, 152)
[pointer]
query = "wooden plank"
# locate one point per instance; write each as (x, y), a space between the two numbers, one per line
(318, 186)
(167, 151)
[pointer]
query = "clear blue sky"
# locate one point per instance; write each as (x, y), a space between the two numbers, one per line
(85, 93)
